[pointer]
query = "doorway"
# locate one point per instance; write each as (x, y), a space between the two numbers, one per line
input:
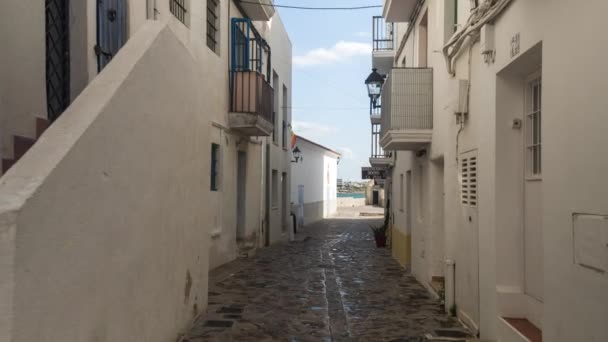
(533, 235)
(241, 195)
(467, 274)
(111, 30)
(284, 202)
(57, 57)
(376, 198)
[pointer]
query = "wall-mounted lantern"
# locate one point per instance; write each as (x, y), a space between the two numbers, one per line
(297, 155)
(374, 83)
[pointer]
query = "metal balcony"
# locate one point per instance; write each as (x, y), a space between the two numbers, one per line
(251, 96)
(383, 42)
(259, 10)
(375, 111)
(407, 109)
(379, 157)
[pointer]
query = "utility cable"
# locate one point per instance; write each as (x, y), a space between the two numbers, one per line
(313, 8)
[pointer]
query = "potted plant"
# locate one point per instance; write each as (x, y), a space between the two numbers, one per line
(380, 235)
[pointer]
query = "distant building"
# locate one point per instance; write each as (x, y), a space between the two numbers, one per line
(340, 183)
(314, 181)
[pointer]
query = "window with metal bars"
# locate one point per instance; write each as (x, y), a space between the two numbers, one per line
(213, 25)
(533, 127)
(215, 166)
(179, 9)
(468, 187)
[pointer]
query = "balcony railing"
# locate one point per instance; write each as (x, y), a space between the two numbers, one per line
(375, 111)
(382, 33)
(407, 108)
(251, 96)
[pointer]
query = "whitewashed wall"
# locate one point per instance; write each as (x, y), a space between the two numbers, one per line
(491, 249)
(96, 253)
(317, 172)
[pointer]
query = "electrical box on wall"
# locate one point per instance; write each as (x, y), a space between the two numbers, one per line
(462, 102)
(486, 43)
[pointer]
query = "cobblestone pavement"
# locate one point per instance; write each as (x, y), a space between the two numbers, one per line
(331, 285)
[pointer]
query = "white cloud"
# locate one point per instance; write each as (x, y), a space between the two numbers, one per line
(347, 153)
(363, 34)
(338, 53)
(306, 128)
(312, 130)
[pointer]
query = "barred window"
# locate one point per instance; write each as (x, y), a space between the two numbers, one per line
(213, 24)
(215, 166)
(179, 9)
(533, 127)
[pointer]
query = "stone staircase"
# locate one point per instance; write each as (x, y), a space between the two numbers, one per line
(22, 144)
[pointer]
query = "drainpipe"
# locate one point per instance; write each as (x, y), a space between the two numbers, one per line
(450, 285)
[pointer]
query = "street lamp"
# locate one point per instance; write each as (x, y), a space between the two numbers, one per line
(297, 155)
(374, 83)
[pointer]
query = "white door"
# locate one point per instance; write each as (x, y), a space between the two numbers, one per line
(533, 235)
(467, 265)
(241, 195)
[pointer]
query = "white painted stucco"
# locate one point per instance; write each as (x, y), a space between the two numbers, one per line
(96, 253)
(316, 173)
(488, 241)
(178, 226)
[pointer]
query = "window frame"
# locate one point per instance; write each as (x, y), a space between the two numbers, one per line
(532, 127)
(183, 6)
(213, 25)
(215, 167)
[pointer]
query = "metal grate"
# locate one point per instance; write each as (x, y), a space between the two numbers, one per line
(468, 188)
(57, 57)
(179, 9)
(212, 23)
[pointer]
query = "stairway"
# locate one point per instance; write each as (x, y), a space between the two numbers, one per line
(22, 144)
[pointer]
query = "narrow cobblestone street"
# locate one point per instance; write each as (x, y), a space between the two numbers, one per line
(333, 284)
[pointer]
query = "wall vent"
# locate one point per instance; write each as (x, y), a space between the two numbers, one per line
(468, 186)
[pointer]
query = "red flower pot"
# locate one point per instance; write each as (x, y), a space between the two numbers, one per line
(380, 241)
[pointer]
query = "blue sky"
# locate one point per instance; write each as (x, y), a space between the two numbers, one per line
(332, 57)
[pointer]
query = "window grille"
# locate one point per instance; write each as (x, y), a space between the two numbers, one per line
(215, 161)
(179, 9)
(533, 128)
(468, 188)
(212, 24)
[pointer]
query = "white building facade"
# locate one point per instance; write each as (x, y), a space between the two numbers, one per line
(493, 171)
(141, 145)
(314, 181)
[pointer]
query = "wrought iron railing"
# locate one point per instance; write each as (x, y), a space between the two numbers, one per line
(252, 94)
(377, 150)
(383, 35)
(250, 70)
